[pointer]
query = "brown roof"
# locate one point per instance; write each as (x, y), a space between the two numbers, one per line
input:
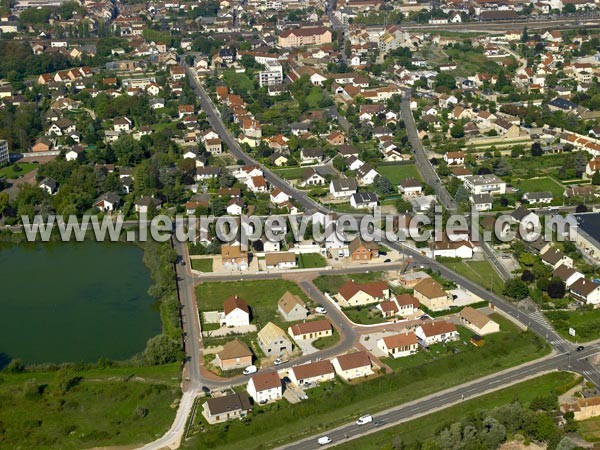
(311, 370)
(388, 306)
(234, 302)
(229, 403)
(232, 251)
(584, 287)
(563, 272)
(314, 326)
(279, 257)
(358, 242)
(354, 360)
(233, 350)
(430, 288)
(304, 31)
(435, 328)
(407, 299)
(400, 340)
(374, 289)
(288, 301)
(553, 256)
(475, 317)
(266, 380)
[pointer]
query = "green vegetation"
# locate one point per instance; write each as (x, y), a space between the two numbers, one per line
(334, 403)
(311, 260)
(332, 283)
(480, 272)
(17, 170)
(585, 322)
(427, 427)
(289, 173)
(590, 429)
(203, 265)
(328, 341)
(239, 83)
(540, 184)
(364, 315)
(399, 172)
(73, 409)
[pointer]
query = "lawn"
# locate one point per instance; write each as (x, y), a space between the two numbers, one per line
(10, 172)
(327, 341)
(290, 173)
(426, 427)
(335, 403)
(239, 83)
(311, 260)
(203, 265)
(332, 283)
(590, 429)
(261, 295)
(539, 185)
(584, 322)
(480, 272)
(85, 409)
(399, 172)
(365, 315)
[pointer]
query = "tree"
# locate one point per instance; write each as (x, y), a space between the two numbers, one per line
(403, 205)
(161, 349)
(556, 288)
(446, 80)
(527, 276)
(596, 178)
(581, 208)
(536, 149)
(516, 289)
(527, 259)
(384, 186)
(457, 131)
(493, 433)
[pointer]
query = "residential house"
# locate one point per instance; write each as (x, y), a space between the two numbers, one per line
(304, 36)
(236, 312)
(49, 185)
(336, 138)
(234, 256)
(478, 322)
(451, 248)
(366, 174)
(431, 294)
(280, 260)
(312, 373)
(482, 202)
(265, 387)
(311, 155)
(227, 407)
(108, 202)
(399, 345)
(235, 207)
(538, 197)
(353, 365)
(454, 158)
(587, 291)
(122, 124)
(312, 177)
(364, 200)
(291, 307)
(583, 408)
(485, 184)
(213, 146)
(235, 355)
(436, 332)
(257, 184)
(409, 187)
(567, 274)
(144, 204)
(554, 258)
(313, 329)
(353, 294)
(273, 341)
(363, 251)
(278, 197)
(342, 187)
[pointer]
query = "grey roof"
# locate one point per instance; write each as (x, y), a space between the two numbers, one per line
(364, 197)
(344, 184)
(49, 182)
(480, 199)
(228, 403)
(538, 195)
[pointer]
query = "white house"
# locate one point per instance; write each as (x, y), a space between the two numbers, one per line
(366, 174)
(485, 184)
(363, 200)
(279, 197)
(353, 365)
(265, 387)
(342, 187)
(478, 322)
(454, 158)
(436, 332)
(236, 312)
(312, 373)
(587, 291)
(399, 345)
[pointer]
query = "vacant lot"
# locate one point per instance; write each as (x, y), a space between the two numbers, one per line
(311, 260)
(13, 171)
(539, 185)
(290, 173)
(590, 429)
(399, 172)
(203, 265)
(426, 427)
(71, 409)
(584, 322)
(480, 272)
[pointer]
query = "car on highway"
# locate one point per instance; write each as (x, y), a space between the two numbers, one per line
(362, 420)
(250, 370)
(324, 440)
(580, 348)
(320, 310)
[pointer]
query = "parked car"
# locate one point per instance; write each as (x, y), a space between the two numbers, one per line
(362, 420)
(320, 310)
(324, 440)
(250, 370)
(279, 361)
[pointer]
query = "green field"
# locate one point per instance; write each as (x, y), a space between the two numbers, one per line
(399, 172)
(539, 185)
(311, 260)
(203, 265)
(71, 409)
(426, 427)
(335, 403)
(332, 283)
(480, 272)
(590, 429)
(290, 173)
(585, 323)
(11, 173)
(262, 296)
(364, 315)
(327, 341)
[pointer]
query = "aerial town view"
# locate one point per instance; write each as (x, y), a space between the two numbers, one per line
(299, 224)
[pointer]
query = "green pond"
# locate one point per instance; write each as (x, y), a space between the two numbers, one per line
(74, 302)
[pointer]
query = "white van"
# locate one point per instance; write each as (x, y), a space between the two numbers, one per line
(324, 440)
(250, 370)
(364, 419)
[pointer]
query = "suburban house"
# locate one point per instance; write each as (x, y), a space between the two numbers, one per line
(451, 248)
(435, 332)
(353, 365)
(292, 308)
(236, 312)
(454, 158)
(431, 294)
(312, 177)
(265, 387)
(353, 294)
(478, 322)
(311, 155)
(144, 204)
(366, 174)
(567, 274)
(234, 256)
(409, 187)
(363, 251)
(485, 184)
(538, 197)
(399, 345)
(235, 355)
(311, 330)
(342, 187)
(280, 260)
(364, 200)
(526, 219)
(49, 185)
(586, 291)
(279, 197)
(583, 408)
(554, 258)
(399, 305)
(108, 202)
(482, 202)
(273, 341)
(312, 373)
(227, 407)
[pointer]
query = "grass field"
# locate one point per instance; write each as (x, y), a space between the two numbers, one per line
(539, 185)
(364, 315)
(426, 427)
(332, 283)
(9, 171)
(480, 272)
(261, 295)
(85, 409)
(203, 265)
(290, 173)
(311, 260)
(335, 403)
(590, 429)
(327, 341)
(584, 322)
(399, 172)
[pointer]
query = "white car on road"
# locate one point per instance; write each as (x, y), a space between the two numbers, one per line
(324, 440)
(250, 370)
(320, 310)
(362, 420)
